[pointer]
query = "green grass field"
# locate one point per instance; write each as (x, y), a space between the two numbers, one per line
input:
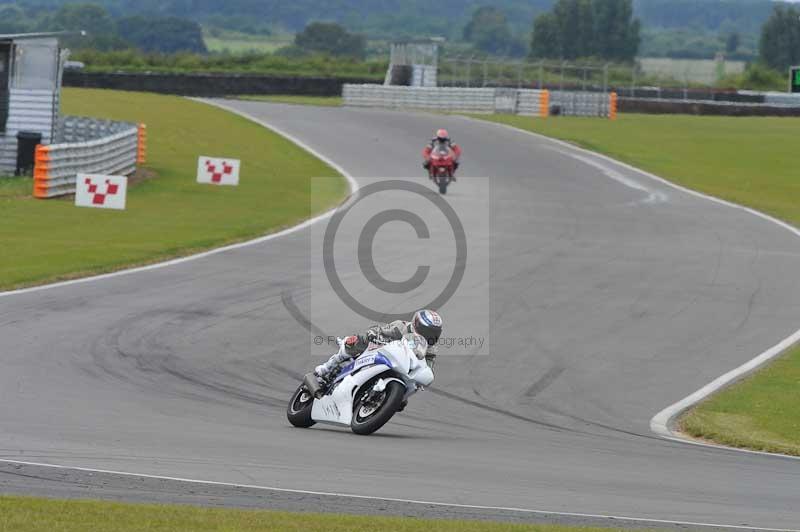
(22, 514)
(750, 161)
(323, 101)
(759, 413)
(47, 240)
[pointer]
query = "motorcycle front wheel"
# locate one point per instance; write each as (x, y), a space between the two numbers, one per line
(371, 411)
(299, 410)
(443, 187)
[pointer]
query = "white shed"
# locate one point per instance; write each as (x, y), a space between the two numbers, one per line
(31, 67)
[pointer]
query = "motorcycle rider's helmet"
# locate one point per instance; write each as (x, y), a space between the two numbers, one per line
(442, 135)
(427, 324)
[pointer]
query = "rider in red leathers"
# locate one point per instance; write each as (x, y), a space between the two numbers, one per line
(444, 138)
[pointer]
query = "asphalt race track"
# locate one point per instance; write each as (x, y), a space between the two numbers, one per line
(613, 296)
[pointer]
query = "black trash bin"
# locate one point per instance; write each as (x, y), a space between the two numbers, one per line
(26, 151)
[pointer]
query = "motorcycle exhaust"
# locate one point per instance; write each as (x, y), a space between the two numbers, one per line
(312, 384)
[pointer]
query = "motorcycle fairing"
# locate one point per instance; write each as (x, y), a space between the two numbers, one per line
(337, 407)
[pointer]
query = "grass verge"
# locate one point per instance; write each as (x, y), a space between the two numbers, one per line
(168, 216)
(23, 514)
(323, 101)
(758, 413)
(750, 161)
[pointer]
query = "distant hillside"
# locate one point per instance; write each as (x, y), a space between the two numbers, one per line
(745, 16)
(398, 18)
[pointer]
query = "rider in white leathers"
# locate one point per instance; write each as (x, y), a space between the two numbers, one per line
(425, 323)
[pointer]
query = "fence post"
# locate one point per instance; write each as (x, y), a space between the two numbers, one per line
(541, 75)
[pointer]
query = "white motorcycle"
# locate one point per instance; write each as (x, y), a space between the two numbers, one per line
(367, 392)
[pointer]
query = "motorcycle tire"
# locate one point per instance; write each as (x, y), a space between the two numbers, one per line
(443, 187)
(299, 410)
(390, 404)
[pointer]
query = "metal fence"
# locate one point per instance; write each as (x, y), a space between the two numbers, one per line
(687, 76)
(86, 146)
(471, 72)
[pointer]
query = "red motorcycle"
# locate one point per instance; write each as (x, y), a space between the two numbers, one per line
(441, 159)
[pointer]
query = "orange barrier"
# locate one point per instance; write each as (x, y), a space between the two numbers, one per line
(141, 153)
(544, 104)
(612, 106)
(41, 171)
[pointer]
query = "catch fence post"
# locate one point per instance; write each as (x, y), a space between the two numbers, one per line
(541, 75)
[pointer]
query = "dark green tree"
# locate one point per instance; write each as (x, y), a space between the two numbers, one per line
(587, 28)
(488, 31)
(330, 38)
(95, 20)
(546, 40)
(92, 18)
(567, 14)
(162, 34)
(732, 42)
(780, 38)
(617, 33)
(13, 19)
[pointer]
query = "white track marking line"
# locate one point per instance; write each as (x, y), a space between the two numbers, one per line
(404, 501)
(172, 262)
(661, 422)
(653, 196)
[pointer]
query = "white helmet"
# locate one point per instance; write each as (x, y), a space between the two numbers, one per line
(428, 324)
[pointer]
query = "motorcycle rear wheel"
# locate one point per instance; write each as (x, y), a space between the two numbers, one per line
(367, 418)
(299, 410)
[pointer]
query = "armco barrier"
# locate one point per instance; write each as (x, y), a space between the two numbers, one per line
(705, 107)
(572, 103)
(429, 98)
(782, 98)
(533, 102)
(95, 147)
(480, 100)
